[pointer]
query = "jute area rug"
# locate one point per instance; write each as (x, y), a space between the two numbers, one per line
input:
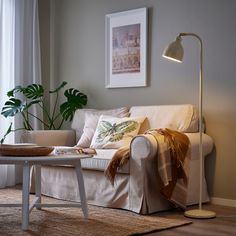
(70, 221)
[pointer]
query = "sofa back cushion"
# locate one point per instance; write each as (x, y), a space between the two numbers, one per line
(78, 122)
(183, 118)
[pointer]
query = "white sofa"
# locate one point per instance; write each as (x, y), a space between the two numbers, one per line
(137, 184)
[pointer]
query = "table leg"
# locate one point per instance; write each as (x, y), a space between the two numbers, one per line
(81, 189)
(25, 196)
(38, 184)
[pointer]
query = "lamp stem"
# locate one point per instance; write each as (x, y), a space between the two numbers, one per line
(200, 113)
(201, 123)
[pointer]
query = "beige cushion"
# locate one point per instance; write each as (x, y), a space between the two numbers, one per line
(79, 118)
(114, 132)
(101, 160)
(183, 118)
(91, 120)
(49, 137)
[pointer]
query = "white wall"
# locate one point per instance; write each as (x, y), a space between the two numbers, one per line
(80, 53)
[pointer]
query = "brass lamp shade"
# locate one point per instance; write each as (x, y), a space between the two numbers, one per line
(174, 51)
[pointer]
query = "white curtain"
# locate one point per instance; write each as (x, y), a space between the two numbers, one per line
(27, 49)
(7, 35)
(19, 62)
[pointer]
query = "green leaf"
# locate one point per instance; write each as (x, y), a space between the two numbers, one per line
(104, 126)
(74, 95)
(116, 137)
(9, 130)
(126, 126)
(34, 91)
(75, 100)
(17, 89)
(104, 129)
(12, 107)
(115, 132)
(63, 84)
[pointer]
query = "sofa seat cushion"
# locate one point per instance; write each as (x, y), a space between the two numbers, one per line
(101, 160)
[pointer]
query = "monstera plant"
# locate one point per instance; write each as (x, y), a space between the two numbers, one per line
(22, 99)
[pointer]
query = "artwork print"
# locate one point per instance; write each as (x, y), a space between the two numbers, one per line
(126, 49)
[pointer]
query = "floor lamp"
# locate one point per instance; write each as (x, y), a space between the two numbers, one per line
(175, 52)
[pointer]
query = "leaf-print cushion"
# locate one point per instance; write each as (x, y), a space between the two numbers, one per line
(91, 118)
(114, 132)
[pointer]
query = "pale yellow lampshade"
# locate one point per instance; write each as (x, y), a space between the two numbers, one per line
(174, 51)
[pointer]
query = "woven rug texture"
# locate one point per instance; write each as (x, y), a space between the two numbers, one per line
(70, 221)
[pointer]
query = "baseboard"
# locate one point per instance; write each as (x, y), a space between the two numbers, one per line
(223, 201)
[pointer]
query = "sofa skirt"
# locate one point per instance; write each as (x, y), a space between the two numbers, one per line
(61, 183)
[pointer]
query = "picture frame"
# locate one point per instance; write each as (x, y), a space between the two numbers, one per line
(126, 49)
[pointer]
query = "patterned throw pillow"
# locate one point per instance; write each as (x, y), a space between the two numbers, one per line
(91, 119)
(79, 117)
(114, 132)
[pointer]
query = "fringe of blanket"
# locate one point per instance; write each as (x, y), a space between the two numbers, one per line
(120, 158)
(177, 144)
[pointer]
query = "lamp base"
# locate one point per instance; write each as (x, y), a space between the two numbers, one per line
(200, 214)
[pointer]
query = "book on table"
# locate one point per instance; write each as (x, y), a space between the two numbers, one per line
(64, 150)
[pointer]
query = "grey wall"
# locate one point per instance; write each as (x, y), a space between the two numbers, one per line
(80, 53)
(44, 27)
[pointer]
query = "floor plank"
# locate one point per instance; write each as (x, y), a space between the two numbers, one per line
(224, 223)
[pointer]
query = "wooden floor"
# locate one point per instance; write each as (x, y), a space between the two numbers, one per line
(223, 225)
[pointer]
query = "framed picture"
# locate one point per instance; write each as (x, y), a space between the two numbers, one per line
(126, 42)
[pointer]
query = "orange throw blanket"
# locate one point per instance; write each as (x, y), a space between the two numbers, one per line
(177, 145)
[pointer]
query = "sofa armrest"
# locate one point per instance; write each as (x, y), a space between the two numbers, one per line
(143, 167)
(144, 178)
(50, 137)
(143, 147)
(207, 145)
